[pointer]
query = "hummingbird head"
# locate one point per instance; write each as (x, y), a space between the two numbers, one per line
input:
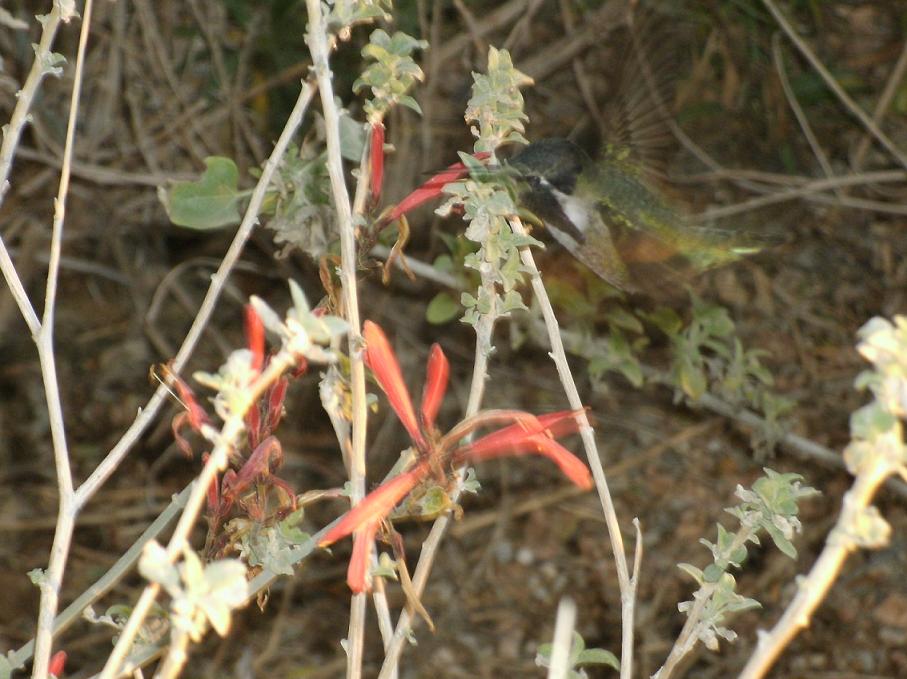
(553, 162)
(547, 172)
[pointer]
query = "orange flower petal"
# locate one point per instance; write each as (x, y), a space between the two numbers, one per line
(57, 663)
(430, 189)
(510, 439)
(255, 337)
(569, 464)
(376, 505)
(533, 436)
(436, 376)
(357, 571)
(538, 444)
(380, 357)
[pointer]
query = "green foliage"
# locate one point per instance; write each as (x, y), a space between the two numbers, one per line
(444, 307)
(619, 350)
(707, 356)
(771, 506)
(580, 657)
(346, 13)
(210, 202)
(8, 664)
(277, 547)
(393, 73)
(496, 106)
(441, 309)
(299, 197)
(721, 601)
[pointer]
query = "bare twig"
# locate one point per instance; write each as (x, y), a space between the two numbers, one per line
(798, 110)
(564, 624)
(626, 582)
(218, 280)
(833, 85)
(806, 191)
(68, 506)
(502, 16)
(317, 40)
(26, 96)
(891, 88)
(11, 136)
(105, 583)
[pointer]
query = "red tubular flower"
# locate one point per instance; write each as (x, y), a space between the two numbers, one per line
(195, 414)
(380, 358)
(437, 375)
(540, 444)
(376, 158)
(527, 438)
(365, 518)
(255, 337)
(360, 560)
(524, 434)
(429, 190)
(376, 505)
(57, 663)
(554, 425)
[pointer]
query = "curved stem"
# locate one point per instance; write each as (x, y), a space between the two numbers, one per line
(626, 583)
(218, 280)
(67, 510)
(813, 589)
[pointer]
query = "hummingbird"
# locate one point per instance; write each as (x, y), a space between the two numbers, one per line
(610, 215)
(611, 212)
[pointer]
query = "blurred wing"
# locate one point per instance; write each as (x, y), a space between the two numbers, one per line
(646, 230)
(637, 116)
(597, 251)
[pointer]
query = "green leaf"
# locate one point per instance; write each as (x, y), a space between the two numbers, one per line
(442, 309)
(691, 380)
(784, 545)
(692, 571)
(621, 318)
(352, 138)
(712, 573)
(208, 203)
(666, 320)
(598, 656)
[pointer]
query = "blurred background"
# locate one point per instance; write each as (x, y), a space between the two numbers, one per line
(168, 84)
